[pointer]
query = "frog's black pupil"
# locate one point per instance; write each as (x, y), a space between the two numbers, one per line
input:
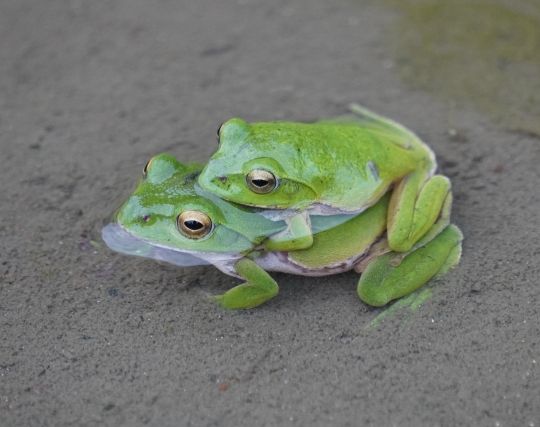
(193, 225)
(260, 182)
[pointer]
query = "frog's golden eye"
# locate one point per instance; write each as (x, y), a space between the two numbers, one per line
(147, 167)
(261, 181)
(194, 224)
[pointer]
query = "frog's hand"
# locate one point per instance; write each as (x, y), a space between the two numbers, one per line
(417, 202)
(383, 282)
(297, 235)
(259, 287)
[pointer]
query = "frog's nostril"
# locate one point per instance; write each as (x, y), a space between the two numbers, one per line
(146, 218)
(222, 179)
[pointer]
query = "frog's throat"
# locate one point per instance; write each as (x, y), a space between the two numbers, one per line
(121, 240)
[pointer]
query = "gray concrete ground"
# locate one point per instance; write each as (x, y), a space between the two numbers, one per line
(90, 89)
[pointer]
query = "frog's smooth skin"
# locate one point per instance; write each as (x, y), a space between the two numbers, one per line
(328, 167)
(170, 219)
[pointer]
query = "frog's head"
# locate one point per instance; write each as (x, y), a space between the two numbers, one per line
(253, 165)
(168, 210)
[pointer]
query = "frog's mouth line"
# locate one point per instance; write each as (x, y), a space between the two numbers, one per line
(120, 240)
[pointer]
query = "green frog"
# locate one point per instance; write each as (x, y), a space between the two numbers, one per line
(170, 218)
(339, 166)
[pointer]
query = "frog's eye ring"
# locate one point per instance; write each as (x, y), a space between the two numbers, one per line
(194, 224)
(147, 167)
(261, 181)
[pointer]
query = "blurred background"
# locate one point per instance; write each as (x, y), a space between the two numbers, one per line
(89, 90)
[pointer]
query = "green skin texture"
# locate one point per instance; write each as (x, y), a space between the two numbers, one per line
(345, 164)
(168, 188)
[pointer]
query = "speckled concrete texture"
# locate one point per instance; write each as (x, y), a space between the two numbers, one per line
(89, 90)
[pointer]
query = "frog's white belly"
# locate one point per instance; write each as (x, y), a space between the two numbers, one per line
(280, 262)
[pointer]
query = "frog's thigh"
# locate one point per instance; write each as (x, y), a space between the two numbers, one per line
(414, 207)
(297, 235)
(382, 282)
(258, 288)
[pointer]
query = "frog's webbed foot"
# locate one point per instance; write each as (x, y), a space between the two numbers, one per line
(258, 288)
(297, 235)
(415, 206)
(383, 280)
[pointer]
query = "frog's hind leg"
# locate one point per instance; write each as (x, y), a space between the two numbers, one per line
(417, 198)
(416, 204)
(434, 231)
(383, 280)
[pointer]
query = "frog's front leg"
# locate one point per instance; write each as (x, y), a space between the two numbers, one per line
(383, 281)
(258, 288)
(296, 236)
(415, 205)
